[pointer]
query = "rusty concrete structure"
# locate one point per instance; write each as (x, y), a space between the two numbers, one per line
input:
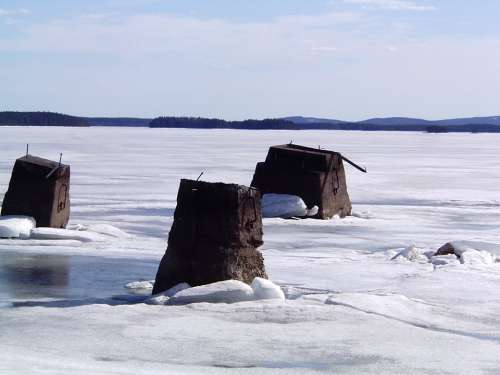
(39, 188)
(215, 235)
(315, 175)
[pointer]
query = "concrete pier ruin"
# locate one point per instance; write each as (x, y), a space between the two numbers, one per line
(39, 188)
(215, 235)
(315, 175)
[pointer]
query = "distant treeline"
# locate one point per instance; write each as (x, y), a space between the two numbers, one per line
(473, 128)
(40, 119)
(118, 121)
(205, 123)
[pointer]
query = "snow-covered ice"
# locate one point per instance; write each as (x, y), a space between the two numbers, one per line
(350, 309)
(16, 226)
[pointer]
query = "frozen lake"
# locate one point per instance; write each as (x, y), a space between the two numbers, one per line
(351, 307)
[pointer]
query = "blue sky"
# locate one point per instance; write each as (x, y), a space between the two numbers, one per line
(235, 59)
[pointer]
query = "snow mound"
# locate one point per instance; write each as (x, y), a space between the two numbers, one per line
(476, 257)
(472, 252)
(228, 291)
(164, 297)
(144, 284)
(65, 234)
(16, 226)
(265, 289)
(413, 254)
(108, 230)
(285, 206)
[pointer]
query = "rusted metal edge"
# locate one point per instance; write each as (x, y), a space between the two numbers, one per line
(354, 165)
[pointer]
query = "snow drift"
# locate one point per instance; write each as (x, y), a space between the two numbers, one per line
(163, 297)
(227, 291)
(65, 234)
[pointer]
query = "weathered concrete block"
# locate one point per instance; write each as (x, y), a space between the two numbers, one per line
(317, 176)
(39, 188)
(216, 231)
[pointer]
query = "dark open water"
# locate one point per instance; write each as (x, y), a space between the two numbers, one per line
(35, 277)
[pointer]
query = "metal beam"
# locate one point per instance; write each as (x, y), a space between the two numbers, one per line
(354, 165)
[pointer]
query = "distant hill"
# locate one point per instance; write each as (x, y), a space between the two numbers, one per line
(472, 124)
(40, 119)
(312, 120)
(492, 120)
(396, 121)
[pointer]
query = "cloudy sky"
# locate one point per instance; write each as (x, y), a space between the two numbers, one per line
(235, 59)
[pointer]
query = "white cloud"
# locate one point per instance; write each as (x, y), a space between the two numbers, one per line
(15, 12)
(392, 5)
(324, 49)
(338, 64)
(161, 34)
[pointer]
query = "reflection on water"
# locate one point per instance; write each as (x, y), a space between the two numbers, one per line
(34, 277)
(30, 276)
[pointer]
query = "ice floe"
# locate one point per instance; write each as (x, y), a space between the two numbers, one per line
(413, 254)
(23, 227)
(144, 284)
(457, 253)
